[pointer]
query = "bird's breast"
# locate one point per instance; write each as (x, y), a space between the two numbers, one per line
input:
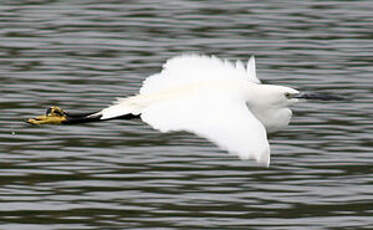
(275, 119)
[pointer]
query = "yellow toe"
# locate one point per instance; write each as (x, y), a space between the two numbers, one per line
(54, 115)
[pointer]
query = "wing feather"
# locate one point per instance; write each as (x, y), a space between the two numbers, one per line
(193, 68)
(229, 124)
(182, 71)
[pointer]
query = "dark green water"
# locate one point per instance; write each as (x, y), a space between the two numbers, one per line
(80, 55)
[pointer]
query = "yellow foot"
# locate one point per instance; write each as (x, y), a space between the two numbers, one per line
(54, 115)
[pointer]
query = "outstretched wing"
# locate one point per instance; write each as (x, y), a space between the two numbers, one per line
(227, 123)
(194, 68)
(182, 71)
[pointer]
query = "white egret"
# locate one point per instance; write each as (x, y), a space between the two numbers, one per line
(221, 101)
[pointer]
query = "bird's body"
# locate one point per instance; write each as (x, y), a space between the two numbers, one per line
(214, 99)
(221, 101)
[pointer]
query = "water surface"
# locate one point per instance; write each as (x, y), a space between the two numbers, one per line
(80, 55)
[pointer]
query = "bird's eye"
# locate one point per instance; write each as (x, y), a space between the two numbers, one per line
(288, 95)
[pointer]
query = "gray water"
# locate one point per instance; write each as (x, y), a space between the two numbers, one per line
(80, 55)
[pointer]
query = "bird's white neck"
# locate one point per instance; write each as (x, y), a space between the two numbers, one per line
(273, 119)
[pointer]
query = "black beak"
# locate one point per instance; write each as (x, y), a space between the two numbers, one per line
(318, 96)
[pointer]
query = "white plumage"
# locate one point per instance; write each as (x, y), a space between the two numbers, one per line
(213, 98)
(188, 69)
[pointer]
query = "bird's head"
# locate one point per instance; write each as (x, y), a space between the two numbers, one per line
(281, 96)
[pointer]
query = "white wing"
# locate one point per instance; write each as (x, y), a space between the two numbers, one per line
(182, 71)
(193, 68)
(227, 123)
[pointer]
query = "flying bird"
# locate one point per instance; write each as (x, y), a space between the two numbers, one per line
(213, 98)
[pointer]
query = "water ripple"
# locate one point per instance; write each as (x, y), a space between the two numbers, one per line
(123, 174)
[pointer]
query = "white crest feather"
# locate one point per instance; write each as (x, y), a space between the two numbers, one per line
(251, 70)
